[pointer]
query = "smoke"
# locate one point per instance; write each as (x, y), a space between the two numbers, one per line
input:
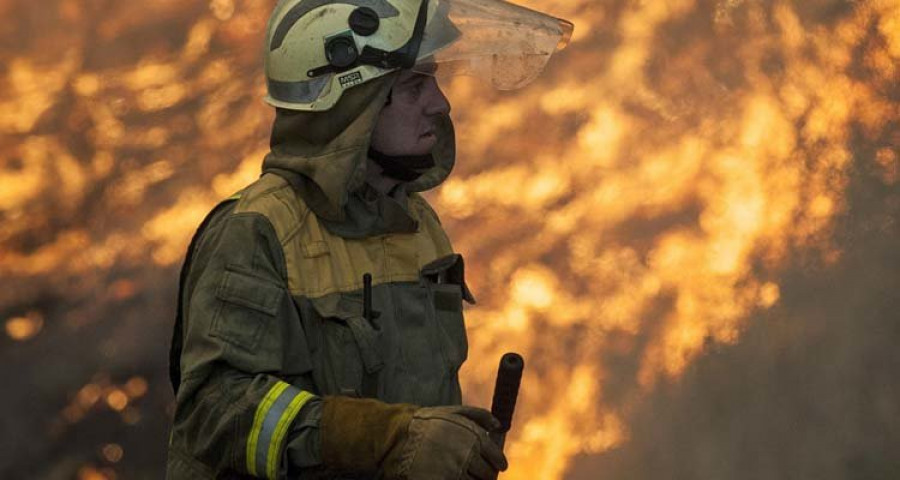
(708, 177)
(810, 390)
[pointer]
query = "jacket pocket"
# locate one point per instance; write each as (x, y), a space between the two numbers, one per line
(352, 356)
(447, 301)
(445, 280)
(247, 305)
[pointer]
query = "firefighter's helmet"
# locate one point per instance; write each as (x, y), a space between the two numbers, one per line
(316, 49)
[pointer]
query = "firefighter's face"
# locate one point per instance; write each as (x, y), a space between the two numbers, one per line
(406, 125)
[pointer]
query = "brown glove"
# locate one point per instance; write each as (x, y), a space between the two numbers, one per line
(404, 442)
(447, 443)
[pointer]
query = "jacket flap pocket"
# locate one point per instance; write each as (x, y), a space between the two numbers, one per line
(449, 269)
(366, 339)
(441, 264)
(242, 289)
(448, 299)
(348, 309)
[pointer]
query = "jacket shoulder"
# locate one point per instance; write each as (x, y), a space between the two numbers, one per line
(274, 198)
(423, 209)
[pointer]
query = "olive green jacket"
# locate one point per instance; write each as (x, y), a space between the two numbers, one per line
(271, 312)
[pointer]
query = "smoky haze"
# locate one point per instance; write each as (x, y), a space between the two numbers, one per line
(810, 391)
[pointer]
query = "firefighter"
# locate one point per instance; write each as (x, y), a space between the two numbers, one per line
(320, 328)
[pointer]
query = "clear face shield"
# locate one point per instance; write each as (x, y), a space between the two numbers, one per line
(504, 44)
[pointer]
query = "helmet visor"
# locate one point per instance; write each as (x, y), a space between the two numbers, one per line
(504, 44)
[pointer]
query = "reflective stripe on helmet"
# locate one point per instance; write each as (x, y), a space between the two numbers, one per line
(298, 92)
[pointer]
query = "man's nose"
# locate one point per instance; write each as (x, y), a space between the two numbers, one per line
(437, 103)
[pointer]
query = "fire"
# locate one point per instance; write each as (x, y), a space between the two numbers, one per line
(661, 206)
(632, 206)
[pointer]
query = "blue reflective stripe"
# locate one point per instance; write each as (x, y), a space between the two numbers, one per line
(268, 426)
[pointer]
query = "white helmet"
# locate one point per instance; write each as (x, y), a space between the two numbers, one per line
(316, 49)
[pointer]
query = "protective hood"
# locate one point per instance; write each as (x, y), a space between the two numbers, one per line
(323, 155)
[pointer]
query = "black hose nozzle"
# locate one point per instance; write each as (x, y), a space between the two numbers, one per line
(509, 377)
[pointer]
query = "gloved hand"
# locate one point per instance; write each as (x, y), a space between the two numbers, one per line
(447, 443)
(405, 442)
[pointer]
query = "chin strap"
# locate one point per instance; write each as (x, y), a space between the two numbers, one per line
(405, 168)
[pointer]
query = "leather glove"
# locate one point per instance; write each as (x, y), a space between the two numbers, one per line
(405, 442)
(447, 443)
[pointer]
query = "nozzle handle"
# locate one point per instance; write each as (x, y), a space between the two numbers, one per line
(506, 391)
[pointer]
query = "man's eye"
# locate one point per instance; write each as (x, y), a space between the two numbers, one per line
(414, 87)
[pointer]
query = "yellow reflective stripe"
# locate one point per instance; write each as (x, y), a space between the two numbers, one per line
(236, 196)
(261, 411)
(281, 431)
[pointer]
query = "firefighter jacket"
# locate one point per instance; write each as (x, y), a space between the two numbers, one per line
(270, 314)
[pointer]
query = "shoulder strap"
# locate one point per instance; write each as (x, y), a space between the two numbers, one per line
(178, 334)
